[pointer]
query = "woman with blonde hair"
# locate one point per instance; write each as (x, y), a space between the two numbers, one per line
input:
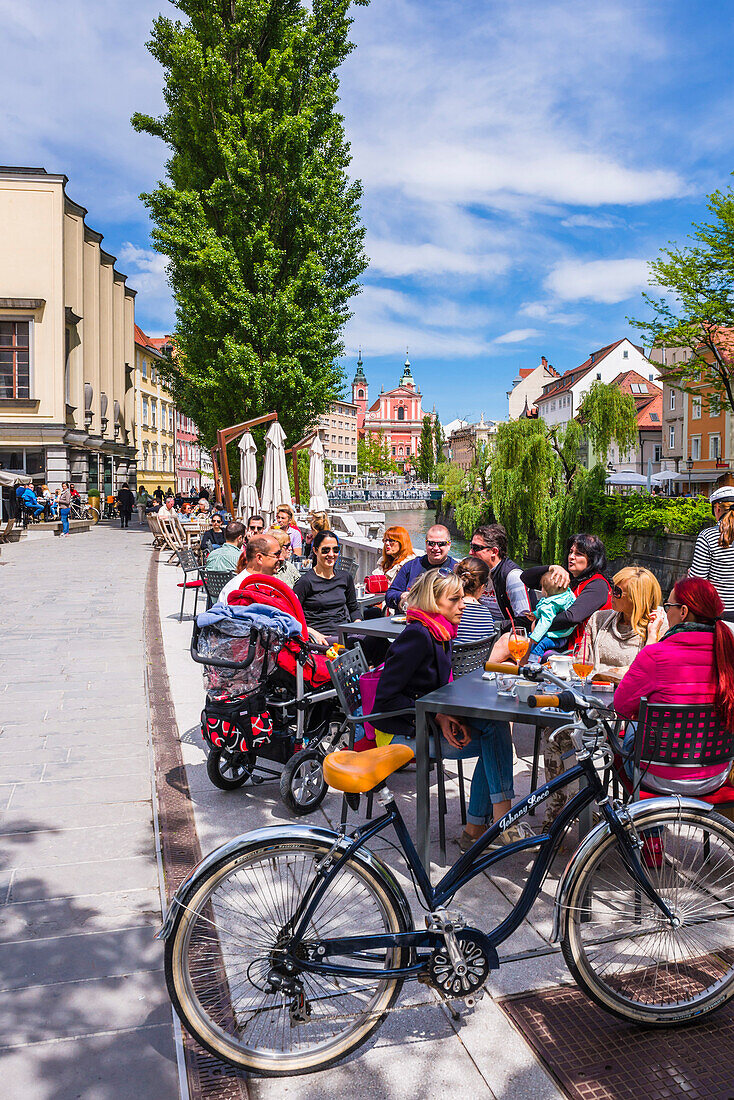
(419, 661)
(285, 519)
(317, 521)
(615, 637)
(396, 550)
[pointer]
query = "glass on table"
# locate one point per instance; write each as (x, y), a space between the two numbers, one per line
(518, 643)
(505, 683)
(583, 664)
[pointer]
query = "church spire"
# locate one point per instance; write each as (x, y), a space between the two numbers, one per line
(407, 379)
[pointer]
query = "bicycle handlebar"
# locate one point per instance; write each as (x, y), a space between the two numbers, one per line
(543, 701)
(507, 669)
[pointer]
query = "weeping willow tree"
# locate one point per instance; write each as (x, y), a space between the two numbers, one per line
(539, 483)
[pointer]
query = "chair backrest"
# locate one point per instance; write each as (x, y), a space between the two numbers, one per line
(691, 736)
(214, 582)
(187, 560)
(8, 528)
(345, 672)
(466, 656)
(169, 533)
(347, 565)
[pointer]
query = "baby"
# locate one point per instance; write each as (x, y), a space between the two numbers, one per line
(553, 600)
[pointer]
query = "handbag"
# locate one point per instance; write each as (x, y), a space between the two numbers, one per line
(368, 682)
(376, 584)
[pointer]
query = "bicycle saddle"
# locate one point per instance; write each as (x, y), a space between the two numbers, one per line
(359, 772)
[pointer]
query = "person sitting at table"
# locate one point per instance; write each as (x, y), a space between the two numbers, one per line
(223, 559)
(285, 519)
(213, 537)
(255, 526)
(438, 545)
(286, 570)
(543, 637)
(26, 494)
(259, 555)
(693, 664)
(202, 507)
(327, 595)
(477, 621)
(397, 549)
(506, 597)
(418, 662)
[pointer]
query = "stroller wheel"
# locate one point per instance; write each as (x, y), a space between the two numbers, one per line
(228, 770)
(302, 783)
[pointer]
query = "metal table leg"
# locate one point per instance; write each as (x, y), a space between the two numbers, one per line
(422, 793)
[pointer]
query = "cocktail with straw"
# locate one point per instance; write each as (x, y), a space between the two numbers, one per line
(583, 664)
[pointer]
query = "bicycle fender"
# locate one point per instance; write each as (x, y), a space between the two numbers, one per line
(639, 812)
(244, 843)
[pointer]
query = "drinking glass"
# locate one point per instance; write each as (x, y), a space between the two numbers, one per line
(518, 644)
(583, 665)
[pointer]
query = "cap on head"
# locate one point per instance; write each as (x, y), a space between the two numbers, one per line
(724, 495)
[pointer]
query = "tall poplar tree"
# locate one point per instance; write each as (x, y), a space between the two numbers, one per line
(258, 218)
(426, 462)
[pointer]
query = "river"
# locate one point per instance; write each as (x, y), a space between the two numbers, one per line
(416, 522)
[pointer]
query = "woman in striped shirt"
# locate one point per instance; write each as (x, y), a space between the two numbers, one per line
(477, 621)
(713, 556)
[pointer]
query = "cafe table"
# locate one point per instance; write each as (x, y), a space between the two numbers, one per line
(468, 696)
(384, 627)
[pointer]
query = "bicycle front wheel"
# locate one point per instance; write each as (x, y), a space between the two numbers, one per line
(229, 934)
(623, 951)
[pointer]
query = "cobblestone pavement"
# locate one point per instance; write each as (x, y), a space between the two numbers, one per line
(83, 1006)
(420, 1052)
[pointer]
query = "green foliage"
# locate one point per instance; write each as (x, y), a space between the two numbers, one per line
(426, 460)
(438, 440)
(374, 456)
(258, 218)
(467, 491)
(304, 463)
(607, 414)
(697, 281)
(640, 513)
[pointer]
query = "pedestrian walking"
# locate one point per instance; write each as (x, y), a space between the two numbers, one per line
(64, 503)
(125, 503)
(142, 499)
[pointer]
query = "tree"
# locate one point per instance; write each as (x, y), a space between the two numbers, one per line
(697, 305)
(373, 455)
(438, 439)
(426, 461)
(538, 482)
(257, 218)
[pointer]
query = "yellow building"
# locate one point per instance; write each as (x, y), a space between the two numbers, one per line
(66, 341)
(155, 417)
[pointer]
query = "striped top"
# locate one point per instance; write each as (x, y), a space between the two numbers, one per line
(716, 564)
(476, 623)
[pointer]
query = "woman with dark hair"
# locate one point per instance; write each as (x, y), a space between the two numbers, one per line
(585, 575)
(477, 621)
(327, 595)
(693, 664)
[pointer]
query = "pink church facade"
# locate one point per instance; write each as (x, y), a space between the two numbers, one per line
(396, 414)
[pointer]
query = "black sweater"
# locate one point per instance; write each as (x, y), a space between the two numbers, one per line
(416, 663)
(594, 596)
(327, 603)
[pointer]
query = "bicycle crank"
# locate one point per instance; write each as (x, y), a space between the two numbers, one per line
(461, 968)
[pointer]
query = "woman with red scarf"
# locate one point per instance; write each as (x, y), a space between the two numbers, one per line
(419, 661)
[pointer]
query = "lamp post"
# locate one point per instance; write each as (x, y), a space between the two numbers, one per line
(689, 467)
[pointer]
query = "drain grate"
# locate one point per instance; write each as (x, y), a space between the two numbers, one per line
(209, 1079)
(594, 1056)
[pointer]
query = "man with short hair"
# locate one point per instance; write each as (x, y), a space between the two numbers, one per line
(438, 544)
(255, 526)
(213, 537)
(224, 558)
(489, 542)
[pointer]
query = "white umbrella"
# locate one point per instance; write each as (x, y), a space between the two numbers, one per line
(318, 500)
(626, 477)
(666, 475)
(248, 502)
(275, 488)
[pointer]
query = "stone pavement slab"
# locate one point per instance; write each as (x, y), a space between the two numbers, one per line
(84, 1012)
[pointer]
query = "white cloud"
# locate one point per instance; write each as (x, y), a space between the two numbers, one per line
(605, 281)
(394, 259)
(593, 221)
(518, 336)
(387, 321)
(146, 272)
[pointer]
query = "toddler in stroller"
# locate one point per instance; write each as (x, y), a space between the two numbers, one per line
(266, 693)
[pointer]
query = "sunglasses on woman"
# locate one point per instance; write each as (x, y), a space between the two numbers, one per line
(617, 592)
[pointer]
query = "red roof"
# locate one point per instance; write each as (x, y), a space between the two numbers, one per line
(566, 381)
(648, 398)
(153, 343)
(651, 416)
(525, 371)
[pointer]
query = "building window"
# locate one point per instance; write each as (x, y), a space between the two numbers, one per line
(143, 367)
(401, 414)
(695, 408)
(625, 354)
(393, 452)
(153, 413)
(154, 452)
(145, 412)
(672, 400)
(407, 451)
(152, 374)
(715, 447)
(15, 359)
(695, 447)
(657, 453)
(170, 418)
(671, 438)
(145, 456)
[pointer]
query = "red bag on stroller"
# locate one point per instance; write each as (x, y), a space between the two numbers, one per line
(258, 588)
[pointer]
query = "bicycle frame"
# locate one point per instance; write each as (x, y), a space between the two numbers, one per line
(467, 867)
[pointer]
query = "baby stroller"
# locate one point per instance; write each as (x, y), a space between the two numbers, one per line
(266, 694)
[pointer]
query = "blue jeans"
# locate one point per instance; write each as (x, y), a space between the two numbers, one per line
(491, 745)
(64, 512)
(548, 645)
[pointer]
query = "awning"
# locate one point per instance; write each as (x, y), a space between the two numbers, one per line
(707, 476)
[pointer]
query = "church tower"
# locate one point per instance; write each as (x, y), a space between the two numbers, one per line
(407, 379)
(360, 392)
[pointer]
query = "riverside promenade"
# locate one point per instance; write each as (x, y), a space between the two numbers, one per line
(84, 1013)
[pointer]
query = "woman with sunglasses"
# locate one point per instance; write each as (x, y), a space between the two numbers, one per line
(327, 595)
(397, 549)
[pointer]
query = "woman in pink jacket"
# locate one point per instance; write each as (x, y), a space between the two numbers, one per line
(692, 664)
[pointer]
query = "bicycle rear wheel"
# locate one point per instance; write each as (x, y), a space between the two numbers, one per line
(230, 933)
(623, 951)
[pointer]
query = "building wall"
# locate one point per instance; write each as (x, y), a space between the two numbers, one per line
(188, 454)
(338, 432)
(528, 389)
(560, 408)
(156, 444)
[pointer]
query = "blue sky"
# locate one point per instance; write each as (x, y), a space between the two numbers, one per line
(521, 163)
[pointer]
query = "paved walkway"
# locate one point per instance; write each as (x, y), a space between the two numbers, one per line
(420, 1052)
(83, 1007)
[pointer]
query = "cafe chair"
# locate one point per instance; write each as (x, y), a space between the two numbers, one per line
(214, 581)
(347, 565)
(187, 561)
(468, 656)
(345, 672)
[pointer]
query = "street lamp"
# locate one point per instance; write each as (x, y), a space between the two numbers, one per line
(689, 467)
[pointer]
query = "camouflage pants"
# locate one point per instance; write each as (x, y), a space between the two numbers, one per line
(554, 765)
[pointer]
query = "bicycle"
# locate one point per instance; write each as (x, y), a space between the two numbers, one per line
(287, 947)
(79, 510)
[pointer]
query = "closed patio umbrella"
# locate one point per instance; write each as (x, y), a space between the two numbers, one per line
(248, 501)
(318, 500)
(275, 488)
